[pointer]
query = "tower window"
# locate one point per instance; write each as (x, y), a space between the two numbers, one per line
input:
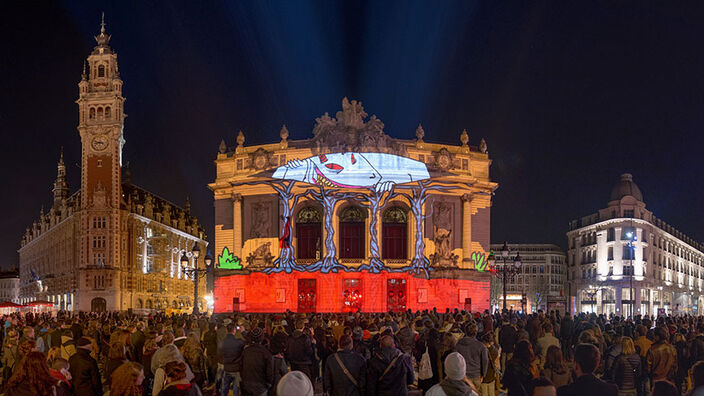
(107, 113)
(91, 113)
(101, 71)
(100, 113)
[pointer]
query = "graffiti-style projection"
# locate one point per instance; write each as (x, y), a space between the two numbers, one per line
(380, 171)
(227, 260)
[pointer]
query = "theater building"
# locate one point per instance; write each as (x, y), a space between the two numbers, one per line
(623, 260)
(110, 245)
(351, 219)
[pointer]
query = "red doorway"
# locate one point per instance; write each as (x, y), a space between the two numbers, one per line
(306, 295)
(396, 294)
(352, 295)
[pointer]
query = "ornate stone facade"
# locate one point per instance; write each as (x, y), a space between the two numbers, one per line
(110, 245)
(318, 218)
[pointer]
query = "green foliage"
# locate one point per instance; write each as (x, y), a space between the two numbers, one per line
(227, 260)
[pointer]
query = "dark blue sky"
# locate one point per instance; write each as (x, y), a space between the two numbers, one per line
(567, 94)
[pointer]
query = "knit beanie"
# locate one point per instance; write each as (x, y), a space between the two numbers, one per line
(455, 366)
(294, 383)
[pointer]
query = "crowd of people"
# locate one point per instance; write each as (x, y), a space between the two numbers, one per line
(346, 354)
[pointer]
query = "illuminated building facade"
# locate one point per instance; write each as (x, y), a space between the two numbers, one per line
(351, 219)
(9, 286)
(624, 260)
(110, 245)
(540, 281)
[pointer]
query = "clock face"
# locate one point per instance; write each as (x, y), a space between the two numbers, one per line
(99, 143)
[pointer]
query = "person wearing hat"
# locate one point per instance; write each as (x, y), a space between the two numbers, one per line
(84, 370)
(294, 383)
(257, 366)
(345, 371)
(455, 383)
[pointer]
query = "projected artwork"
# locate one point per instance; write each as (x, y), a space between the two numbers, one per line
(227, 260)
(379, 171)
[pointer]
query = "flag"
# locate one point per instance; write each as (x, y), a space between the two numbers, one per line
(285, 240)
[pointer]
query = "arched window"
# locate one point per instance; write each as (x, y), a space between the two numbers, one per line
(352, 235)
(140, 304)
(101, 71)
(394, 232)
(150, 305)
(107, 113)
(91, 113)
(100, 113)
(309, 233)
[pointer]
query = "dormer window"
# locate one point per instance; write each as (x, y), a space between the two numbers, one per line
(101, 71)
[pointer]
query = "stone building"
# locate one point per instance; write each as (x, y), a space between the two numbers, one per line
(540, 280)
(623, 260)
(352, 218)
(9, 286)
(109, 245)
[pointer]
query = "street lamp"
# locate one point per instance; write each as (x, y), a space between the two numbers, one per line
(509, 271)
(631, 239)
(195, 272)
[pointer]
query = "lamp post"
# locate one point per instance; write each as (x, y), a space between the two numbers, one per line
(506, 270)
(195, 272)
(631, 235)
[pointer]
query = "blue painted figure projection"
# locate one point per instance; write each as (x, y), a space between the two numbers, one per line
(379, 171)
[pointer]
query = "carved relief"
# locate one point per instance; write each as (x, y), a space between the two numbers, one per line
(348, 132)
(260, 159)
(442, 235)
(261, 220)
(261, 257)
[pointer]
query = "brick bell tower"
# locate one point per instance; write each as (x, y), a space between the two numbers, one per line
(101, 123)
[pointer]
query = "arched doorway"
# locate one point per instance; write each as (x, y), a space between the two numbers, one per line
(98, 304)
(308, 233)
(394, 234)
(352, 235)
(140, 304)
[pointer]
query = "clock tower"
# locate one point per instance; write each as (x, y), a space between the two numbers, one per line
(101, 122)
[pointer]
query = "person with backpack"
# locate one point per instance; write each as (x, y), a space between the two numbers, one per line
(68, 345)
(345, 371)
(389, 371)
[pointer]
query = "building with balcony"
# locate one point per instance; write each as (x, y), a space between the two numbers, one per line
(623, 260)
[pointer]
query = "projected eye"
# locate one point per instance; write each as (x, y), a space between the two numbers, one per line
(323, 159)
(354, 160)
(334, 167)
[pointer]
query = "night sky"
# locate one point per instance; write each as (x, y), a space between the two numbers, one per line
(567, 94)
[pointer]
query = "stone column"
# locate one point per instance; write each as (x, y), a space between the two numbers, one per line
(237, 225)
(466, 227)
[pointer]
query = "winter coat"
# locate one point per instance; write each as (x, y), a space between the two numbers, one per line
(406, 339)
(662, 361)
(230, 353)
(68, 347)
(449, 387)
(299, 349)
(257, 369)
(475, 354)
(559, 377)
(85, 374)
(396, 380)
(508, 336)
(627, 372)
(336, 381)
(588, 384)
(280, 369)
(517, 378)
(180, 388)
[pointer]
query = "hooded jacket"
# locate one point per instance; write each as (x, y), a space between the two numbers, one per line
(299, 349)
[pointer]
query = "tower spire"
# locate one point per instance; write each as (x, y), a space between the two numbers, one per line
(102, 22)
(103, 38)
(60, 185)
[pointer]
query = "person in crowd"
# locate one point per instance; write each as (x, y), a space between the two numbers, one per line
(345, 371)
(210, 343)
(389, 371)
(586, 360)
(543, 387)
(454, 383)
(257, 366)
(59, 369)
(546, 341)
(626, 370)
(488, 386)
(508, 336)
(31, 377)
(295, 383)
(696, 374)
(177, 383)
(475, 354)
(520, 370)
(127, 380)
(84, 370)
(195, 358)
(279, 365)
(664, 388)
(428, 340)
(662, 357)
(555, 369)
(116, 357)
(230, 352)
(299, 351)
